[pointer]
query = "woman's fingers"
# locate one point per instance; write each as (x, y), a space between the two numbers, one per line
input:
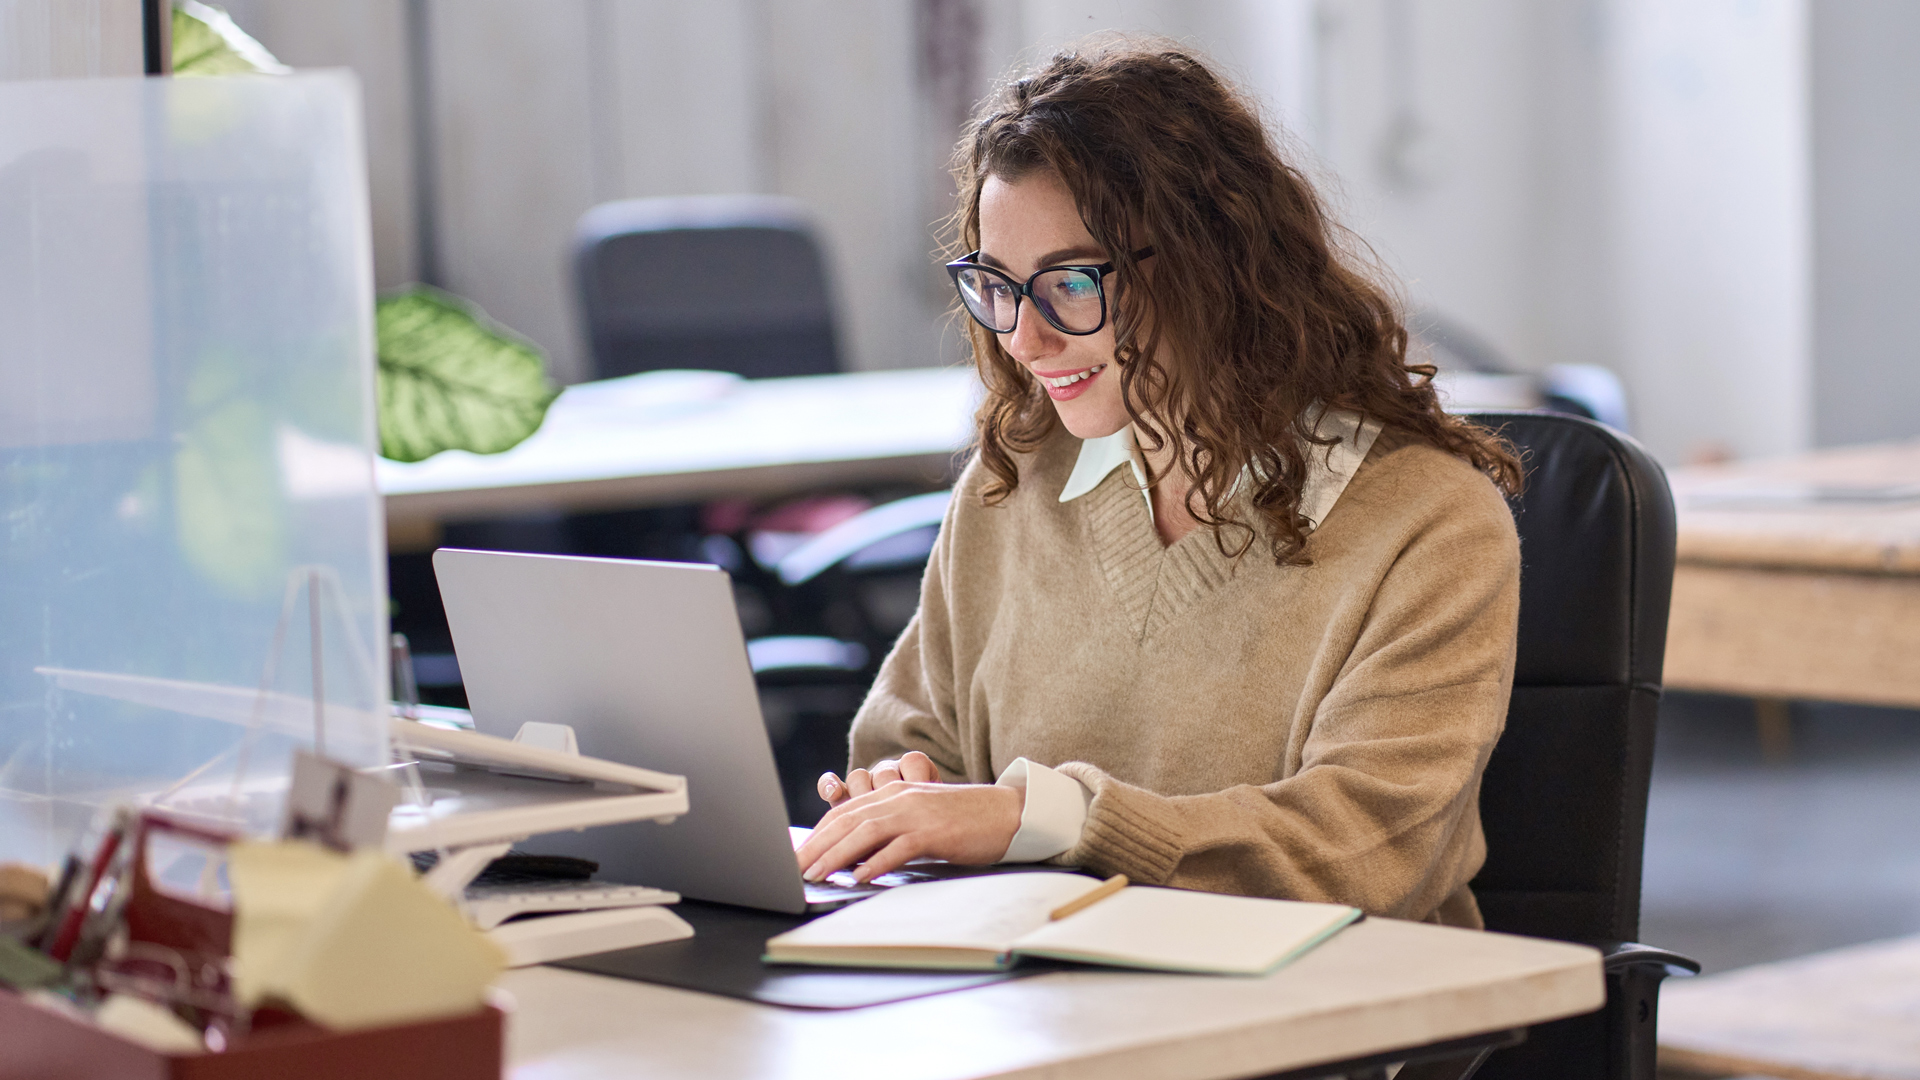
(897, 853)
(918, 768)
(970, 823)
(859, 782)
(832, 826)
(830, 848)
(855, 839)
(913, 767)
(831, 788)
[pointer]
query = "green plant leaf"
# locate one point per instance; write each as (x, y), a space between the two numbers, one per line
(451, 379)
(206, 42)
(229, 514)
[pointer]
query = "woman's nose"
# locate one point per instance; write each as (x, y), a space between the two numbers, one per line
(1032, 339)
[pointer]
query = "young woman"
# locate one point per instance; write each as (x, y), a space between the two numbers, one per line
(1224, 600)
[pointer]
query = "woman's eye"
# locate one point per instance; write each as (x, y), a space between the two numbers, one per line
(1072, 288)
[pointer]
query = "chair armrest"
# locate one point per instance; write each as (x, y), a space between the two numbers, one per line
(862, 531)
(1617, 957)
(1634, 973)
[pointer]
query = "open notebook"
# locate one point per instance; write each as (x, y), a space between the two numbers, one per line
(988, 923)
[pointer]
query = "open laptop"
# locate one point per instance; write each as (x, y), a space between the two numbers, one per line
(647, 664)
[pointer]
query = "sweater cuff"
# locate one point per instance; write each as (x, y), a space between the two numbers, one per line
(1052, 816)
(1129, 830)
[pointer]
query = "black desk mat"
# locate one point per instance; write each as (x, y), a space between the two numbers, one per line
(723, 957)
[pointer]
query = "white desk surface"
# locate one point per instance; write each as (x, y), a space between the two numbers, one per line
(1379, 985)
(686, 436)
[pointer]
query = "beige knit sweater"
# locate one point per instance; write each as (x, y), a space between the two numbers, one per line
(1310, 732)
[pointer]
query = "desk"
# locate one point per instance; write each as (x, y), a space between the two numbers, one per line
(1379, 985)
(1800, 577)
(1838, 1015)
(678, 436)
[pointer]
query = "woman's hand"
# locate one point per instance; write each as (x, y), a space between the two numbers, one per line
(912, 766)
(903, 820)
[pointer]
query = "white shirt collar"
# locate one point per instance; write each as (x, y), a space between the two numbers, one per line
(1329, 468)
(1098, 457)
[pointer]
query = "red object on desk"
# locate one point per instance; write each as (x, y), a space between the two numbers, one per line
(40, 1044)
(177, 947)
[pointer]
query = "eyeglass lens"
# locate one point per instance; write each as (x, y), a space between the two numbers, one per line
(1069, 299)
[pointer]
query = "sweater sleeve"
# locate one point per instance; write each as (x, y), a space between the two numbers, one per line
(911, 704)
(1383, 811)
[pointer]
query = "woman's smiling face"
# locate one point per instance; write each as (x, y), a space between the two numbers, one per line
(1033, 223)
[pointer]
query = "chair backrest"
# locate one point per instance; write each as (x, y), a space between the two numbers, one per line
(1564, 802)
(722, 282)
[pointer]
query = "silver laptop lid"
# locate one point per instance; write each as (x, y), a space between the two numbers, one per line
(646, 662)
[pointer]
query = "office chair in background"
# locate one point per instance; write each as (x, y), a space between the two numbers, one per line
(715, 282)
(726, 283)
(733, 283)
(737, 283)
(1564, 801)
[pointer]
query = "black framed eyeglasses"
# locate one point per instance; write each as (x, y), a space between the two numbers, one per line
(1073, 299)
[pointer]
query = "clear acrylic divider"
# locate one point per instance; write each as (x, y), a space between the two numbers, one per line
(192, 550)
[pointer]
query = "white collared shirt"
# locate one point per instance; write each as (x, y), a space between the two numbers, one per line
(1056, 804)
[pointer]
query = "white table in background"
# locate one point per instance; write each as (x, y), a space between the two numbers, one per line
(679, 436)
(1380, 985)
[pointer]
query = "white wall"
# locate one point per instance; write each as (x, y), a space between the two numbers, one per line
(1709, 157)
(1266, 46)
(1613, 182)
(689, 112)
(1546, 175)
(843, 138)
(53, 39)
(1428, 125)
(1866, 220)
(513, 125)
(369, 36)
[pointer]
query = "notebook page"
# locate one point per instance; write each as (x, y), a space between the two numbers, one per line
(1178, 930)
(986, 913)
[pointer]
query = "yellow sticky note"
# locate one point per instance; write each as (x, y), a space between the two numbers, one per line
(352, 941)
(386, 950)
(278, 889)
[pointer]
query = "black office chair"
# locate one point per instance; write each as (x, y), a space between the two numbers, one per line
(1564, 801)
(724, 283)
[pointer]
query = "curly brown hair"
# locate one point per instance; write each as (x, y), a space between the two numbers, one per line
(1257, 310)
